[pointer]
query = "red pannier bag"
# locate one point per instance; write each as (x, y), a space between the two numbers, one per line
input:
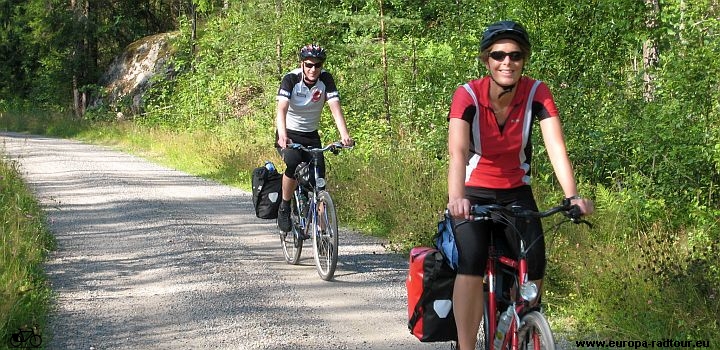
(430, 283)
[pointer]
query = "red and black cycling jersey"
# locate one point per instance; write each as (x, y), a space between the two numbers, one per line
(306, 101)
(500, 157)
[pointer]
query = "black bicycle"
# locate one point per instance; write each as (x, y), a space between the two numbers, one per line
(25, 338)
(313, 215)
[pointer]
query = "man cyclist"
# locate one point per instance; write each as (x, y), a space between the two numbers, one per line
(301, 97)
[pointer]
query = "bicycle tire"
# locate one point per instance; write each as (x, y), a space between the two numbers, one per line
(35, 341)
(14, 343)
(325, 242)
(291, 245)
(535, 333)
(484, 340)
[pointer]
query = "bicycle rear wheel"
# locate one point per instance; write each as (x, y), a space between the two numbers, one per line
(535, 333)
(325, 237)
(291, 244)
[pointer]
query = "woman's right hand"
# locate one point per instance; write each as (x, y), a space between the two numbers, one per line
(459, 208)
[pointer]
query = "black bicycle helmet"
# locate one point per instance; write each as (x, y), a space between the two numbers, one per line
(504, 30)
(312, 51)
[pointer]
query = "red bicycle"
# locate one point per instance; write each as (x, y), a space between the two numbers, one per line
(510, 319)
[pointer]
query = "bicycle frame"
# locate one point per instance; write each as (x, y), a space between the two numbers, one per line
(312, 195)
(312, 200)
(519, 266)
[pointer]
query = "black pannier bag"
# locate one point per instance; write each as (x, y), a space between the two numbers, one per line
(266, 191)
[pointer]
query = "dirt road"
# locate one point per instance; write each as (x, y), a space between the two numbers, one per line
(152, 258)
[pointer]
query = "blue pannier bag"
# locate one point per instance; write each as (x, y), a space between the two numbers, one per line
(445, 240)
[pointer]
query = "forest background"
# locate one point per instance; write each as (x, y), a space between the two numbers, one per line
(637, 84)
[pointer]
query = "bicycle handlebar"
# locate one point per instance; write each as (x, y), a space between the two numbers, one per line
(571, 211)
(333, 147)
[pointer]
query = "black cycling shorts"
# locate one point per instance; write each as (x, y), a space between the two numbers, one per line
(293, 157)
(473, 237)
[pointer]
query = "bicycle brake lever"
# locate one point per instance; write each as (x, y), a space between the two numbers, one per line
(582, 221)
(577, 220)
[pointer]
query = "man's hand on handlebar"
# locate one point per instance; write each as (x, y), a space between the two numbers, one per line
(347, 141)
(284, 141)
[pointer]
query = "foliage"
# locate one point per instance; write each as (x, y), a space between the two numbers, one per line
(45, 44)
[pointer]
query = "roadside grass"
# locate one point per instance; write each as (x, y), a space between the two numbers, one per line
(625, 279)
(25, 241)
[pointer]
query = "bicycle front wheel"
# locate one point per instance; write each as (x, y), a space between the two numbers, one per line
(325, 237)
(35, 341)
(290, 241)
(535, 333)
(484, 340)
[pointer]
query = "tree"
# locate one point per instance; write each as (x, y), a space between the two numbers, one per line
(386, 99)
(650, 49)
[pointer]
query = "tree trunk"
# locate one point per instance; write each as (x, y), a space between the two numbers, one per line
(415, 72)
(79, 58)
(193, 36)
(279, 39)
(386, 98)
(651, 55)
(76, 97)
(193, 19)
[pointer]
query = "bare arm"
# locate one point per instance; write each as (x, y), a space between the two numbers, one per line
(337, 114)
(281, 113)
(458, 145)
(557, 152)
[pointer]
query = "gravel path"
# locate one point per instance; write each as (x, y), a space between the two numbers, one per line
(152, 258)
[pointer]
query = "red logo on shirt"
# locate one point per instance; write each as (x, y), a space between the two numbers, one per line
(316, 95)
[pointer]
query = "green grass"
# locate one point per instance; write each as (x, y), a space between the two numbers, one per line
(632, 277)
(24, 243)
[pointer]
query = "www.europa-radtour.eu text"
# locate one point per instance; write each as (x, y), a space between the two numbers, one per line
(643, 344)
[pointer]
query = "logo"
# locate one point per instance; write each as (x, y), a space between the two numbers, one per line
(25, 338)
(316, 95)
(442, 307)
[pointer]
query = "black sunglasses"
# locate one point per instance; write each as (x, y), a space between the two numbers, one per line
(500, 55)
(313, 65)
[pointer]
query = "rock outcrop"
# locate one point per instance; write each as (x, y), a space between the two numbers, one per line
(130, 75)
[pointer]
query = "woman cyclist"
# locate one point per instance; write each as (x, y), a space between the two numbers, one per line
(300, 101)
(489, 142)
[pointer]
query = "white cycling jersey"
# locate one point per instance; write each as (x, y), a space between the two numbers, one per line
(306, 102)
